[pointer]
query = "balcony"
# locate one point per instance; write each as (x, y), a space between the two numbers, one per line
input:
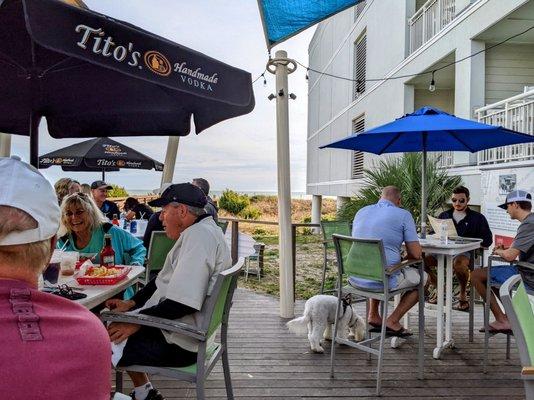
(516, 113)
(430, 19)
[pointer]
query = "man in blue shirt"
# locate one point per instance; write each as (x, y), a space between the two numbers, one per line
(385, 220)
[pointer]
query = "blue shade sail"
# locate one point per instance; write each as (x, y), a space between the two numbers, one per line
(285, 18)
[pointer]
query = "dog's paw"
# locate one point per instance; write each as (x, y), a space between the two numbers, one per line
(318, 350)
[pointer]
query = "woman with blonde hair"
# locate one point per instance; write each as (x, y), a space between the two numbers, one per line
(66, 186)
(82, 229)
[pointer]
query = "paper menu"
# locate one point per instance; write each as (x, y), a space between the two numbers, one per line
(435, 223)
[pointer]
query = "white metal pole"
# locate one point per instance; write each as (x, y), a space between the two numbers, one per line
(170, 159)
(287, 300)
(5, 144)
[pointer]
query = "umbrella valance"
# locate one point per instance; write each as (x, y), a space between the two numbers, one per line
(97, 155)
(91, 75)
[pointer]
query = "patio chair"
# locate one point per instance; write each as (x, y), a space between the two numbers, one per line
(521, 317)
(328, 228)
(159, 247)
(489, 288)
(223, 225)
(365, 258)
(256, 258)
(216, 309)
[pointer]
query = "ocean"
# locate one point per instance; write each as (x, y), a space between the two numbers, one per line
(218, 193)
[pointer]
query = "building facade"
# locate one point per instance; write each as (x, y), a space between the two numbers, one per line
(395, 38)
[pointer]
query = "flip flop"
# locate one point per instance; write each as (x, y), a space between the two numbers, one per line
(402, 332)
(495, 331)
(379, 326)
(463, 305)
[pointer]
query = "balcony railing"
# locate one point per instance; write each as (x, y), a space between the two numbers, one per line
(431, 18)
(516, 113)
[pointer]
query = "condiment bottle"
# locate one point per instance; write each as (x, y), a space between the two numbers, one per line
(107, 255)
(115, 220)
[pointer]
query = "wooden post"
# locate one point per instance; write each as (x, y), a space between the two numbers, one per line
(235, 241)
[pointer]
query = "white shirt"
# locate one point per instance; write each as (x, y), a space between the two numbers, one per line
(189, 273)
(458, 215)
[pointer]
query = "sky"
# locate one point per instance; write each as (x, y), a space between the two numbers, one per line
(240, 153)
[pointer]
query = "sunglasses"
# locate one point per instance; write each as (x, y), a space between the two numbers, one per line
(77, 213)
(461, 201)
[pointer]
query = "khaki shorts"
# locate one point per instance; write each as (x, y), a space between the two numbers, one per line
(408, 277)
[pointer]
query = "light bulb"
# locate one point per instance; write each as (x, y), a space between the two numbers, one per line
(432, 86)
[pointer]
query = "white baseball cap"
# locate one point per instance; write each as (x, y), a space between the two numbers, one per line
(24, 187)
(516, 195)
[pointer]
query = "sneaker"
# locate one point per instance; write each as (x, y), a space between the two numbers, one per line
(153, 394)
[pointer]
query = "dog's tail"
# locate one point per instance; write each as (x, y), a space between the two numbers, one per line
(299, 326)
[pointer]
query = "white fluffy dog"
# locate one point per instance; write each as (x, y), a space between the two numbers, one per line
(318, 319)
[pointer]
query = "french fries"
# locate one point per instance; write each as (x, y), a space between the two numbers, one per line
(102, 272)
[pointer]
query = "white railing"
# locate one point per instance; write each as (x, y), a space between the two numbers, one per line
(516, 113)
(445, 159)
(431, 18)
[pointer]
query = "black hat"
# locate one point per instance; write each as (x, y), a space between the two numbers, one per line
(184, 193)
(99, 184)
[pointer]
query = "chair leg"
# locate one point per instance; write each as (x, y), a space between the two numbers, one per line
(508, 347)
(227, 376)
(200, 390)
(421, 349)
(486, 323)
(324, 271)
(247, 264)
(334, 334)
(367, 327)
(118, 381)
(381, 349)
(471, 312)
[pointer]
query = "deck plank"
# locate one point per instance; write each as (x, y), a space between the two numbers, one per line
(267, 362)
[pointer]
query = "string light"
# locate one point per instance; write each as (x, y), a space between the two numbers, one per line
(432, 87)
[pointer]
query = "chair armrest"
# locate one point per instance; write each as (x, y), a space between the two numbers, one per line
(155, 322)
(525, 264)
(500, 259)
(390, 270)
(527, 373)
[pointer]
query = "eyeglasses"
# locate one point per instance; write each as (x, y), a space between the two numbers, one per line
(77, 213)
(461, 201)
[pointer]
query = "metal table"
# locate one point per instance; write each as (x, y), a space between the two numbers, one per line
(445, 254)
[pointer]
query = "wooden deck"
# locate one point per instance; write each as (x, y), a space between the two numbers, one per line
(267, 362)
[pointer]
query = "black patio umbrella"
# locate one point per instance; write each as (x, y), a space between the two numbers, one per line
(91, 75)
(100, 154)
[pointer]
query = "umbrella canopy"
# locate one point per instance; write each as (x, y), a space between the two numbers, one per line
(91, 75)
(430, 129)
(100, 154)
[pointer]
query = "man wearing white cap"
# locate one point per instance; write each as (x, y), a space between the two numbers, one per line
(518, 205)
(41, 333)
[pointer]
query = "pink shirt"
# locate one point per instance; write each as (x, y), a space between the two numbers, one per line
(51, 347)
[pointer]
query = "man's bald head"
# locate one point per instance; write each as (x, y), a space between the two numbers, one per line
(391, 193)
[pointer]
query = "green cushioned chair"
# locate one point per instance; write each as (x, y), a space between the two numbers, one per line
(328, 228)
(365, 258)
(216, 309)
(159, 247)
(519, 311)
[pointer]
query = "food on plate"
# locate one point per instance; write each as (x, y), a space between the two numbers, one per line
(103, 272)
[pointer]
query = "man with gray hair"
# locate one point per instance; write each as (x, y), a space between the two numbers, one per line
(41, 331)
(178, 292)
(387, 221)
(211, 207)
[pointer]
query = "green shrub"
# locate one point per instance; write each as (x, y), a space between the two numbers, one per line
(233, 202)
(117, 191)
(306, 220)
(259, 232)
(250, 212)
(258, 197)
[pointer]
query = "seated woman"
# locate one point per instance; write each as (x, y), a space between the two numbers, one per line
(136, 210)
(83, 227)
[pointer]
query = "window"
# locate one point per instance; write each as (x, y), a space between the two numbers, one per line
(360, 50)
(358, 9)
(358, 125)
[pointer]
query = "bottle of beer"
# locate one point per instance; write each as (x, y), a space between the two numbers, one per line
(115, 220)
(107, 255)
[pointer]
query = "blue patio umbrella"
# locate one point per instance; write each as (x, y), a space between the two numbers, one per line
(430, 129)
